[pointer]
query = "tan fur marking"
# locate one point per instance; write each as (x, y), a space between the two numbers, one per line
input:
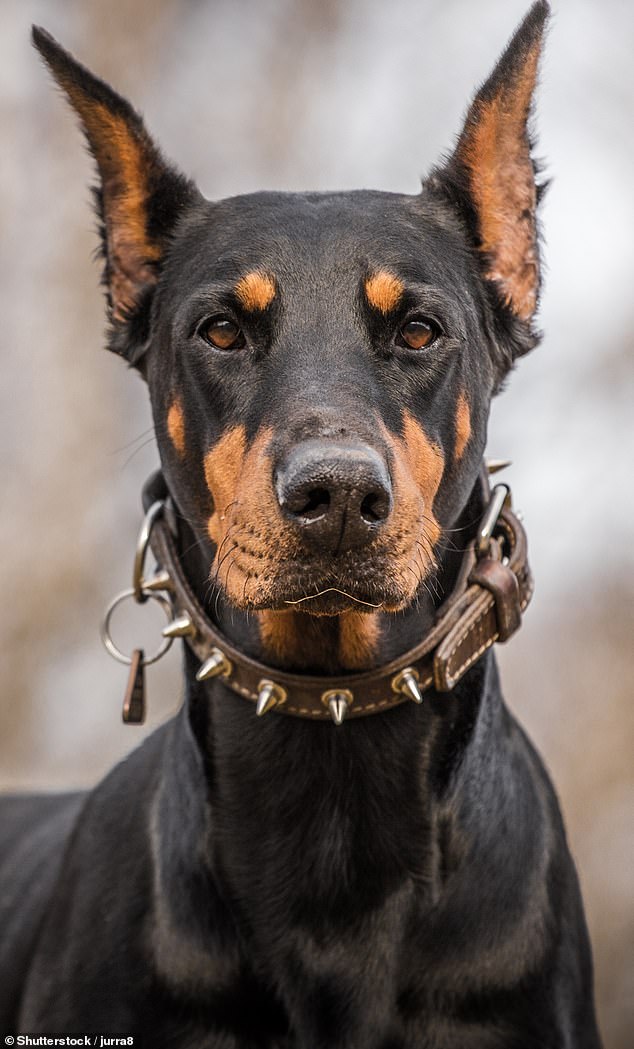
(426, 462)
(252, 538)
(223, 470)
(301, 641)
(417, 470)
(255, 290)
(297, 641)
(384, 291)
(280, 636)
(358, 640)
(125, 207)
(463, 426)
(496, 152)
(125, 159)
(258, 554)
(176, 426)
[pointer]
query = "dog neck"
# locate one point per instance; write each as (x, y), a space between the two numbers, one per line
(341, 823)
(348, 827)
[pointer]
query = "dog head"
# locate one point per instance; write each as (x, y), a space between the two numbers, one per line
(321, 365)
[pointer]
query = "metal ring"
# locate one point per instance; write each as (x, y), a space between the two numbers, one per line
(109, 644)
(156, 509)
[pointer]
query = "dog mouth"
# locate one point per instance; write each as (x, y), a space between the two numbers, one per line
(327, 600)
(331, 601)
(330, 594)
(304, 539)
(382, 582)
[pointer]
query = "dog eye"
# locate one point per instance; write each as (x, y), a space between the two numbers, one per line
(222, 333)
(418, 333)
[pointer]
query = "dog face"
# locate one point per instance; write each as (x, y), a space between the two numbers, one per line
(313, 381)
(320, 366)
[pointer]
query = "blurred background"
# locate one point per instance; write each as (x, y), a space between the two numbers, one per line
(300, 94)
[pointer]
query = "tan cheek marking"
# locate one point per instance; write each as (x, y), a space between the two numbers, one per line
(384, 291)
(246, 514)
(417, 469)
(176, 427)
(496, 154)
(259, 508)
(223, 470)
(425, 460)
(255, 290)
(463, 426)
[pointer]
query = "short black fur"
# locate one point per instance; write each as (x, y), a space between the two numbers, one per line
(399, 882)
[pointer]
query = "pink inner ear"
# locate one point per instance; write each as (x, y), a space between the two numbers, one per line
(495, 150)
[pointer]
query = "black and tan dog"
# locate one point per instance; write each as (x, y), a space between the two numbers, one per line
(320, 368)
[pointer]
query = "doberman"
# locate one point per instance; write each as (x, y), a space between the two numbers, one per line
(320, 368)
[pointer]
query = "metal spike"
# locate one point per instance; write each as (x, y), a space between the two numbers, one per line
(495, 465)
(410, 687)
(217, 663)
(160, 581)
(338, 706)
(181, 626)
(269, 695)
(407, 682)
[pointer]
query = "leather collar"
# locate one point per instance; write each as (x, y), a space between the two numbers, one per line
(493, 589)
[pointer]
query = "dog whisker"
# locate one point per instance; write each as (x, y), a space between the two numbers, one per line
(329, 590)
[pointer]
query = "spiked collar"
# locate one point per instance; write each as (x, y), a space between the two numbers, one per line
(493, 588)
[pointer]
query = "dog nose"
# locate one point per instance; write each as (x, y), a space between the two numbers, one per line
(338, 494)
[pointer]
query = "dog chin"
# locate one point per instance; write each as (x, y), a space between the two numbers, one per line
(330, 599)
(370, 585)
(331, 602)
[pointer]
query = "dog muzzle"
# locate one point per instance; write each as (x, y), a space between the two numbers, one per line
(493, 589)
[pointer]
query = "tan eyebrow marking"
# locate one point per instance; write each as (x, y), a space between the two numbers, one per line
(463, 426)
(384, 290)
(176, 426)
(256, 290)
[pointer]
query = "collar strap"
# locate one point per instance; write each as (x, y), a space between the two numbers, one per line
(494, 587)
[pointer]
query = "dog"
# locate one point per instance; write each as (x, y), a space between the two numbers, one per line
(343, 838)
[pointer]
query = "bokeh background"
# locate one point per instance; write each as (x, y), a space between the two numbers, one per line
(321, 94)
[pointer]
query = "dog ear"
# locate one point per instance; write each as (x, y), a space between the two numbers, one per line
(139, 199)
(491, 178)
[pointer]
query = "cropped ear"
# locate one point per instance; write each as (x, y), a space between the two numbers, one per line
(139, 199)
(491, 178)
